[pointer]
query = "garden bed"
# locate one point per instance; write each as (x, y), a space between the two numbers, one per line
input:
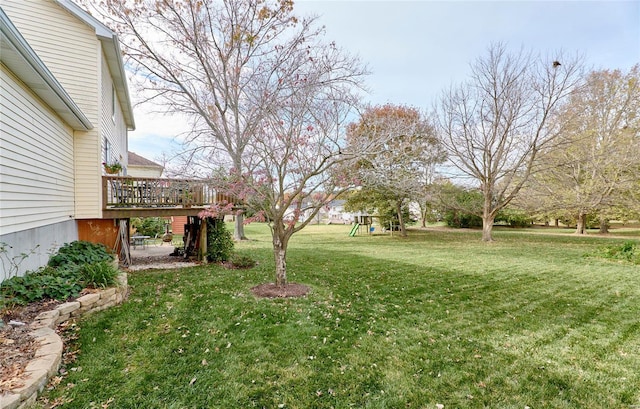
(32, 350)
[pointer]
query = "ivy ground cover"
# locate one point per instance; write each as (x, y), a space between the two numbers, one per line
(436, 320)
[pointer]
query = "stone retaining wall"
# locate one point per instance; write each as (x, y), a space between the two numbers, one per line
(47, 359)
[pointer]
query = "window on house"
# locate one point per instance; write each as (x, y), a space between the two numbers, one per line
(106, 153)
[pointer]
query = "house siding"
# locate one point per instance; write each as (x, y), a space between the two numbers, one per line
(72, 52)
(112, 125)
(36, 160)
(68, 47)
(36, 170)
(144, 172)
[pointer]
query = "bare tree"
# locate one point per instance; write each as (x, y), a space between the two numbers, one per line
(494, 125)
(596, 171)
(220, 63)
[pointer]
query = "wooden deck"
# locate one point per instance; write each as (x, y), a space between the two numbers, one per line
(125, 197)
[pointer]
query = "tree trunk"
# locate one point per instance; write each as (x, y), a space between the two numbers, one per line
(604, 226)
(581, 227)
(424, 209)
(403, 230)
(487, 227)
(488, 216)
(557, 222)
(238, 231)
(280, 242)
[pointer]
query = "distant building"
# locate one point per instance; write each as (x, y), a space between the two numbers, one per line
(140, 167)
(336, 213)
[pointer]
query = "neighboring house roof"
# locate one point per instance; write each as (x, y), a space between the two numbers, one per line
(19, 57)
(137, 160)
(111, 48)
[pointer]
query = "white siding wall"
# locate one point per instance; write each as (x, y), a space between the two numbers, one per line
(71, 51)
(112, 126)
(36, 160)
(68, 47)
(36, 177)
(144, 172)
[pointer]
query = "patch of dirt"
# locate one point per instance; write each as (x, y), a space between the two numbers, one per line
(159, 262)
(17, 347)
(271, 290)
(230, 266)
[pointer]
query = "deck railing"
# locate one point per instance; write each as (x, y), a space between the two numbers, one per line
(122, 192)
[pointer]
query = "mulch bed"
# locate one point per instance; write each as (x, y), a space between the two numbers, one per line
(271, 290)
(17, 348)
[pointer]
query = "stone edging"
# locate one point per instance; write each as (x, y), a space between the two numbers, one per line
(48, 356)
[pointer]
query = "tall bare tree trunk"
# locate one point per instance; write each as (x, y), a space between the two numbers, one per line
(487, 227)
(581, 225)
(238, 231)
(488, 216)
(403, 229)
(604, 226)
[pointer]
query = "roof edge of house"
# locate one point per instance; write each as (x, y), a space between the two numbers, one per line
(28, 62)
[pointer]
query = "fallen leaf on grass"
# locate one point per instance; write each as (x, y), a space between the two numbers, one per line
(106, 404)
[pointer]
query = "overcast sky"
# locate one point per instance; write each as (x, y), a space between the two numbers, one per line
(415, 49)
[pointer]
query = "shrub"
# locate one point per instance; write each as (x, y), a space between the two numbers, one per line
(76, 265)
(11, 264)
(219, 240)
(47, 282)
(461, 207)
(241, 261)
(99, 275)
(21, 290)
(514, 218)
(627, 251)
(149, 226)
(78, 253)
(454, 218)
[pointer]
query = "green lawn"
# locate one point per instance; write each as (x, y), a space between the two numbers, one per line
(436, 318)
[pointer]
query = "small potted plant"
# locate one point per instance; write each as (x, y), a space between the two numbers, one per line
(112, 168)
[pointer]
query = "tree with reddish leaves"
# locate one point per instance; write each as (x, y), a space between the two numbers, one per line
(223, 65)
(407, 149)
(266, 95)
(294, 164)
